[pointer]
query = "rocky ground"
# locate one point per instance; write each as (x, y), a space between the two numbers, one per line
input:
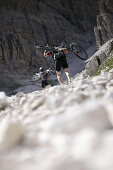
(67, 127)
(60, 128)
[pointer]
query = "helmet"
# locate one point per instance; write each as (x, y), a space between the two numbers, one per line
(41, 69)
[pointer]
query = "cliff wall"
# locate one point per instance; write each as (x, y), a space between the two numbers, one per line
(104, 29)
(24, 24)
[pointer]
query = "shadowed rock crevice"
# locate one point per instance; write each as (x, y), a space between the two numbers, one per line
(104, 29)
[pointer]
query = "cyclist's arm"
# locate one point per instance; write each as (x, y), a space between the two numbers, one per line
(46, 53)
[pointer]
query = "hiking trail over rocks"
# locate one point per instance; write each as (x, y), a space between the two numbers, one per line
(59, 128)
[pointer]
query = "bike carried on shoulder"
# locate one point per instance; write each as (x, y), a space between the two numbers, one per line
(76, 49)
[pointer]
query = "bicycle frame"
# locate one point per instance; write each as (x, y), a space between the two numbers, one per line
(73, 47)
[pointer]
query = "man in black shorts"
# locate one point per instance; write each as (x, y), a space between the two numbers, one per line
(60, 62)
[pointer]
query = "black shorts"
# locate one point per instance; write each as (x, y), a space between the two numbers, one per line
(44, 83)
(61, 63)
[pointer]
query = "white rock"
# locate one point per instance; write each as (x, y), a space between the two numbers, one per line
(104, 73)
(110, 83)
(83, 143)
(102, 157)
(101, 54)
(111, 71)
(53, 102)
(110, 75)
(109, 107)
(102, 83)
(90, 114)
(2, 100)
(109, 94)
(10, 134)
(37, 103)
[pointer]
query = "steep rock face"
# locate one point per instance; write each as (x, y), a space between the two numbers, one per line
(99, 57)
(104, 29)
(24, 24)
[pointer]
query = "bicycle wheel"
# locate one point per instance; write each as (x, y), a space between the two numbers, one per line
(79, 51)
(36, 77)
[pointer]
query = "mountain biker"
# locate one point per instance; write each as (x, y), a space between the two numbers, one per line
(60, 62)
(44, 76)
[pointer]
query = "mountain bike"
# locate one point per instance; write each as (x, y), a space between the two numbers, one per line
(74, 48)
(38, 76)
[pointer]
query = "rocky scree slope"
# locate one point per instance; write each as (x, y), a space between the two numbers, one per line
(59, 128)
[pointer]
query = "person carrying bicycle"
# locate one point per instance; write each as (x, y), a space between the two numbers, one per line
(43, 75)
(60, 62)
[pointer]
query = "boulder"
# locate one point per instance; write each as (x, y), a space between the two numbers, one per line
(2, 100)
(11, 133)
(96, 60)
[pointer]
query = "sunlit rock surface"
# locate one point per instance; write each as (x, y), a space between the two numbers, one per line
(10, 134)
(97, 59)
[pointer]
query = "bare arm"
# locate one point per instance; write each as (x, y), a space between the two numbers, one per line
(45, 54)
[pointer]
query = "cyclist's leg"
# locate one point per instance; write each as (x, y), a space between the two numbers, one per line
(43, 87)
(59, 77)
(58, 72)
(66, 69)
(44, 84)
(67, 74)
